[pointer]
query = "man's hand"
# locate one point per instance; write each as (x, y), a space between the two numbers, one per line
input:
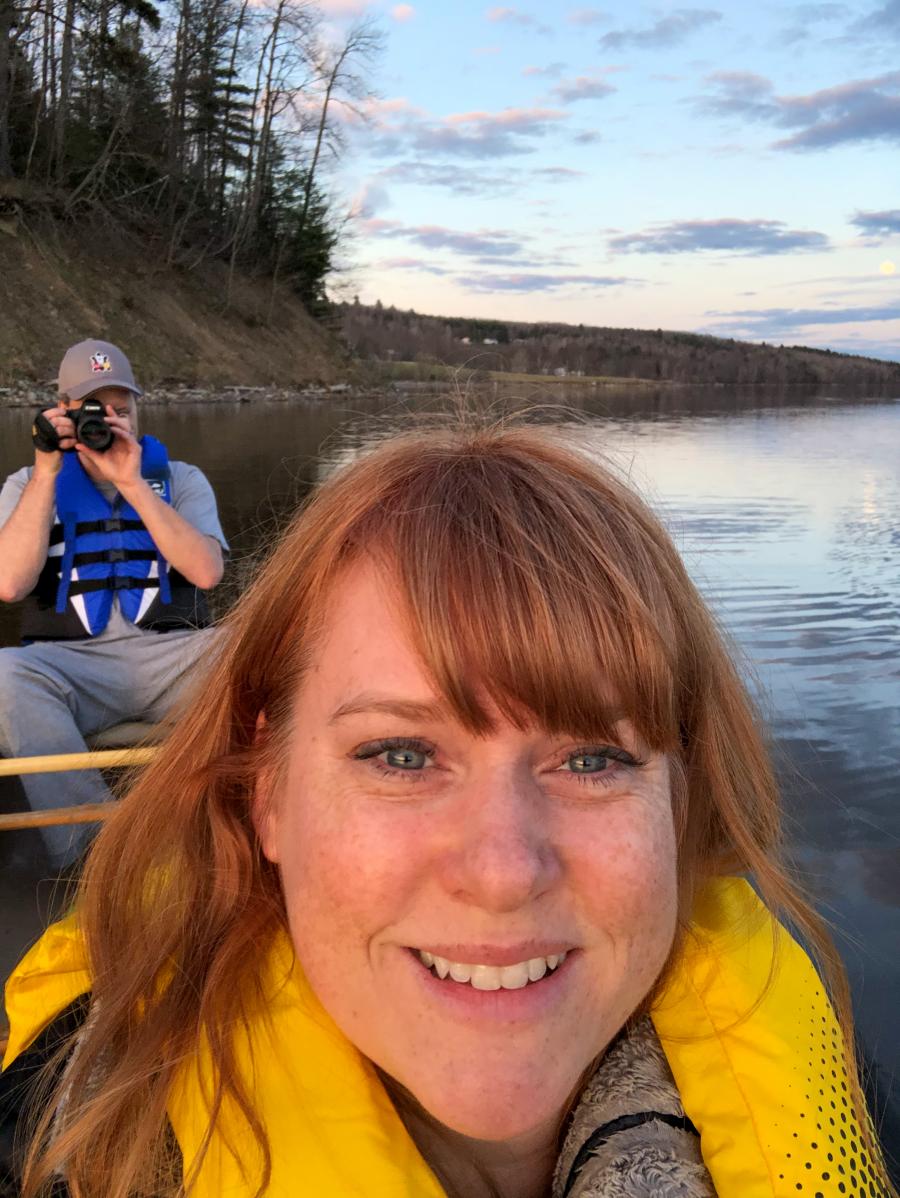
(47, 463)
(121, 463)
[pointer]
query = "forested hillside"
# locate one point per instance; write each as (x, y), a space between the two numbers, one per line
(59, 284)
(201, 127)
(388, 334)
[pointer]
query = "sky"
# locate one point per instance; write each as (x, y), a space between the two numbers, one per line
(730, 169)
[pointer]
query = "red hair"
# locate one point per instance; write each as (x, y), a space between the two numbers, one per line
(530, 575)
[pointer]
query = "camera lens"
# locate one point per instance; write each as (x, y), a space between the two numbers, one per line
(90, 427)
(95, 434)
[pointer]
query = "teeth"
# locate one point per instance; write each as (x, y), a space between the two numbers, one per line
(493, 977)
(484, 977)
(537, 967)
(514, 977)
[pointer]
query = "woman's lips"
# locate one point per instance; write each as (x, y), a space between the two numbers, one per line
(494, 954)
(482, 976)
(479, 989)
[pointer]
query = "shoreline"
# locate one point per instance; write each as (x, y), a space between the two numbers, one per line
(29, 394)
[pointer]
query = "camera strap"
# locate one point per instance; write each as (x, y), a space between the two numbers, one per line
(43, 434)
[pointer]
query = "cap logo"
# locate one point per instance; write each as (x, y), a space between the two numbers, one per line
(100, 364)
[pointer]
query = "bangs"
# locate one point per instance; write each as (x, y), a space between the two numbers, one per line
(532, 590)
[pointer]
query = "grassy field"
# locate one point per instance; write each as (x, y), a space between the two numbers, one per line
(424, 372)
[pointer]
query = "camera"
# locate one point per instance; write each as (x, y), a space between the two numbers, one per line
(91, 428)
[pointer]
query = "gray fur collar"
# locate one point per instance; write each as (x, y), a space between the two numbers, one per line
(628, 1136)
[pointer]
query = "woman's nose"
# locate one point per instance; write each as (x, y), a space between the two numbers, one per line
(501, 855)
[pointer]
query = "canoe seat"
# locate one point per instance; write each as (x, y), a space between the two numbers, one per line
(125, 736)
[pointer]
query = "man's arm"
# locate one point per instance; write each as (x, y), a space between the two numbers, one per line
(197, 556)
(25, 534)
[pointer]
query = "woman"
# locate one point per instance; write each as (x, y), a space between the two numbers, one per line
(433, 889)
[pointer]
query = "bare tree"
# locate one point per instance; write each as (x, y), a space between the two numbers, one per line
(7, 19)
(342, 79)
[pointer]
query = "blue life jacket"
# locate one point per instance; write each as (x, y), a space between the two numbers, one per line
(100, 549)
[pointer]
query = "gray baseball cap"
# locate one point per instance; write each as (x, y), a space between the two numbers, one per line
(90, 365)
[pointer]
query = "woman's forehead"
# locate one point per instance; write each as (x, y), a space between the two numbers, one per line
(366, 636)
(369, 659)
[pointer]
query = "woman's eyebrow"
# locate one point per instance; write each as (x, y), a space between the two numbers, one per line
(404, 709)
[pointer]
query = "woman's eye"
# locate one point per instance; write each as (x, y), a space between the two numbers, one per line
(405, 759)
(587, 763)
(395, 757)
(600, 764)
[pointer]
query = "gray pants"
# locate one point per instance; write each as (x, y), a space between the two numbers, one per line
(54, 694)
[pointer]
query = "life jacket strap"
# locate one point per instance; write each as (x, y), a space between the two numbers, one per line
(66, 527)
(114, 555)
(111, 524)
(83, 585)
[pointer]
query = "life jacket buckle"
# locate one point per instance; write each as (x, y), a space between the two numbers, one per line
(112, 524)
(116, 555)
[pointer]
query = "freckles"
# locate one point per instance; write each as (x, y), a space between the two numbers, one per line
(625, 874)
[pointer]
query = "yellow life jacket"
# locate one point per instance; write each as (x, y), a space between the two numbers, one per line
(746, 1027)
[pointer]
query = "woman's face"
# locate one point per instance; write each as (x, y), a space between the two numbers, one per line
(538, 870)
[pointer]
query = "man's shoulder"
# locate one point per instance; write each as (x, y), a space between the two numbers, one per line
(184, 472)
(11, 491)
(19, 478)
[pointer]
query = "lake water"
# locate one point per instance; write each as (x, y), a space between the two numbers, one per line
(787, 511)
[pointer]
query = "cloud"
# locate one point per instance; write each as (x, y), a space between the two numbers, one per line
(861, 110)
(453, 177)
(588, 16)
(775, 323)
(403, 12)
(554, 173)
(878, 225)
(858, 111)
(417, 264)
(553, 70)
(739, 93)
(587, 137)
(487, 135)
(819, 12)
(514, 16)
(371, 198)
(494, 242)
(885, 19)
(486, 283)
(753, 238)
(584, 87)
(805, 15)
(667, 31)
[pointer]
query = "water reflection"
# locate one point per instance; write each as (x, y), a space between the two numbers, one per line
(789, 520)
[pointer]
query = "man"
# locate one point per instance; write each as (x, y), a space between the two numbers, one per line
(110, 550)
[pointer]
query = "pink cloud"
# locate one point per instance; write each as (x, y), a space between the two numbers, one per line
(403, 12)
(507, 118)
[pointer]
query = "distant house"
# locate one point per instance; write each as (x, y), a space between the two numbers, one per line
(465, 340)
(491, 341)
(560, 372)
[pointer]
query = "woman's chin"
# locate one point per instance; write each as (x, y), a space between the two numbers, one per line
(488, 1111)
